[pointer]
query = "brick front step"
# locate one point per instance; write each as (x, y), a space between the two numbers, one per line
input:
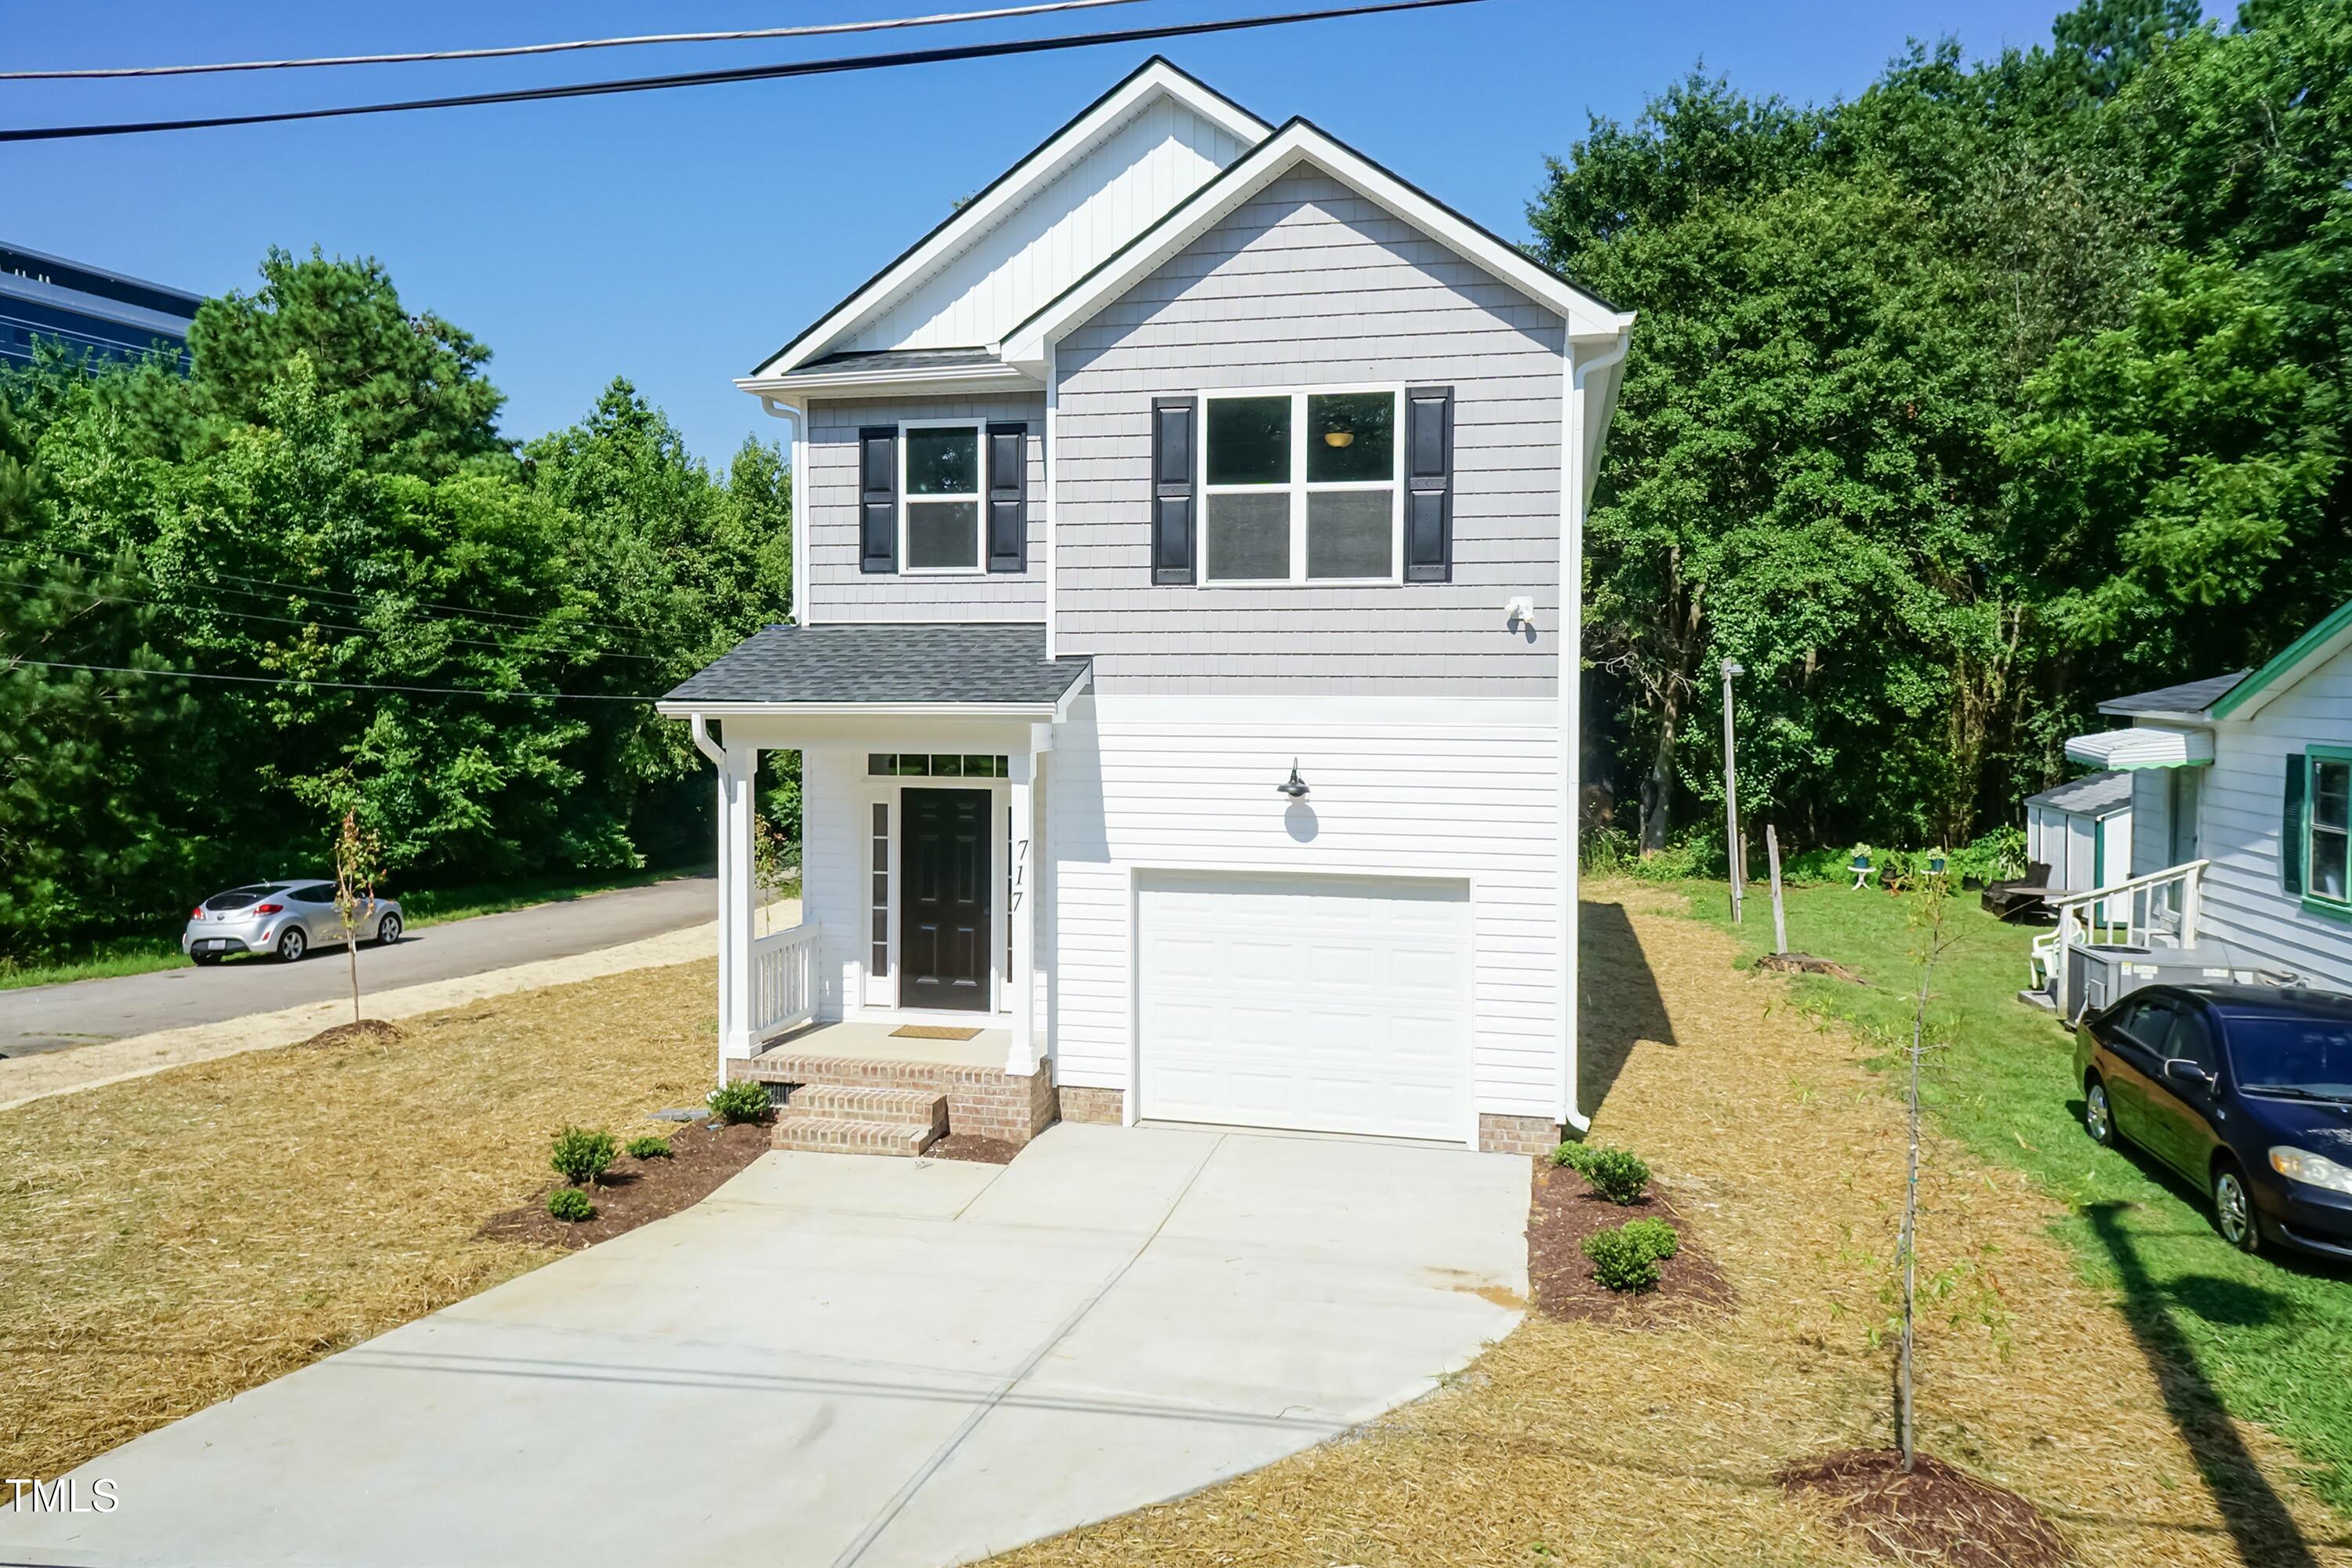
(982, 1102)
(850, 1102)
(841, 1135)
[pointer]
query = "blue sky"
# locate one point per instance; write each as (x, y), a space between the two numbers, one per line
(677, 237)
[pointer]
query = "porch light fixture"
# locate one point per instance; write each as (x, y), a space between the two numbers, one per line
(1338, 438)
(1294, 786)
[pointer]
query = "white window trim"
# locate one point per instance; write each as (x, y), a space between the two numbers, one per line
(890, 790)
(978, 498)
(1298, 486)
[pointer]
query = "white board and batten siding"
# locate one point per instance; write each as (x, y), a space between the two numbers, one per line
(2239, 823)
(1418, 802)
(837, 591)
(1308, 284)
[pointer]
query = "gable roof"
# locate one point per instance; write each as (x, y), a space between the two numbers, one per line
(2093, 794)
(1157, 78)
(2189, 698)
(1300, 140)
(2315, 648)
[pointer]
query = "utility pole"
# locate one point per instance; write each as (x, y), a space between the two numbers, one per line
(1731, 796)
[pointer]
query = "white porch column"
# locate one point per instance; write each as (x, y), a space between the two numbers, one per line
(1021, 1060)
(736, 778)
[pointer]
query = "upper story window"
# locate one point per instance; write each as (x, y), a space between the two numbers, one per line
(1302, 486)
(2329, 851)
(940, 487)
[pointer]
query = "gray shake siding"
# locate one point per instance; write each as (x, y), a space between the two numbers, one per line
(1308, 284)
(838, 591)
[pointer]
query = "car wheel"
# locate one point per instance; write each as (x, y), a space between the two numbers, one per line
(2098, 1116)
(2233, 1208)
(388, 931)
(292, 944)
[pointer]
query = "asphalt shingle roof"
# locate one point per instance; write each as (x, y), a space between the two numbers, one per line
(893, 358)
(2091, 795)
(988, 664)
(2188, 697)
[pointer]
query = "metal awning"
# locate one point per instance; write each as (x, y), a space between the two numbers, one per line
(2143, 746)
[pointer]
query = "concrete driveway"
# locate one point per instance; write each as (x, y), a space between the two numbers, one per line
(840, 1360)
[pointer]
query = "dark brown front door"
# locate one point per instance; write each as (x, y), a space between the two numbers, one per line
(943, 947)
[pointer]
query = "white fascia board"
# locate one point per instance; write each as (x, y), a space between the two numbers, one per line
(901, 382)
(1589, 320)
(857, 710)
(1157, 79)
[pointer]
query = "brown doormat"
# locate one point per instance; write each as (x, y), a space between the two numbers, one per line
(933, 1032)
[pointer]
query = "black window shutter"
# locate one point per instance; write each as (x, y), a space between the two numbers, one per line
(1008, 498)
(1171, 489)
(877, 499)
(2291, 827)
(1429, 484)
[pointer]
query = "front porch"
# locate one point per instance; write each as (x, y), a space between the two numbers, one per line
(861, 1088)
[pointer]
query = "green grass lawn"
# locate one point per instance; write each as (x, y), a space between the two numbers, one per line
(2270, 1336)
(428, 906)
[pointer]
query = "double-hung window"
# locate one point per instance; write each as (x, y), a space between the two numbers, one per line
(1301, 487)
(940, 486)
(2329, 851)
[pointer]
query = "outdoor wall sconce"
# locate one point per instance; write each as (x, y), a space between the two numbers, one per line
(1294, 786)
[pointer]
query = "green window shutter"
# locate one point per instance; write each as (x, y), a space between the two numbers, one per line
(2291, 827)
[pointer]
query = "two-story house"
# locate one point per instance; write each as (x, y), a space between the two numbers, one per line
(1187, 539)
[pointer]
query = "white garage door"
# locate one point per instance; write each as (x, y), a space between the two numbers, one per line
(1340, 1004)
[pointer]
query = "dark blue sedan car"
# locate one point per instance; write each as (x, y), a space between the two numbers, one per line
(2246, 1091)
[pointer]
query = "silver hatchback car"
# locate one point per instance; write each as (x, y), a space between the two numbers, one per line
(285, 918)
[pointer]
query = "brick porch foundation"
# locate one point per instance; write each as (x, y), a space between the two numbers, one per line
(1095, 1105)
(982, 1102)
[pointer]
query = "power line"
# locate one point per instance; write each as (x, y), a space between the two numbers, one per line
(741, 74)
(98, 598)
(329, 685)
(347, 598)
(875, 25)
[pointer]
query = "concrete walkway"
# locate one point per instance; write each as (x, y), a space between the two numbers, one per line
(839, 1360)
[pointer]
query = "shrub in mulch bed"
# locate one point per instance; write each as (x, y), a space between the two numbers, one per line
(1938, 1513)
(1563, 1209)
(635, 1189)
(972, 1146)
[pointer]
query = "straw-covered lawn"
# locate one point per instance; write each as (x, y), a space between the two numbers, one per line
(169, 1242)
(1583, 1443)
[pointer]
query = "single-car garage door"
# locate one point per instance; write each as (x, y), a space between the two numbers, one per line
(1333, 1004)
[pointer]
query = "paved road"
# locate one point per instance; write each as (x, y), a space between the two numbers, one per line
(51, 1018)
(841, 1362)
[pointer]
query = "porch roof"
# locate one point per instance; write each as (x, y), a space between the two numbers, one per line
(999, 666)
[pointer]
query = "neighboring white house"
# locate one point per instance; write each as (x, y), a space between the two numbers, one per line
(1181, 536)
(2242, 805)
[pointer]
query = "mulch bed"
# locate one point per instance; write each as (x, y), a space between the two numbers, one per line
(1806, 963)
(1563, 1209)
(972, 1146)
(366, 1032)
(1938, 1513)
(635, 1192)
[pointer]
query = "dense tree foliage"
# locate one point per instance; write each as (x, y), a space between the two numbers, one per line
(1954, 408)
(324, 503)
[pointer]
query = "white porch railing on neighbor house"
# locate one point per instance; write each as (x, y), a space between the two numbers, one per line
(784, 980)
(2166, 904)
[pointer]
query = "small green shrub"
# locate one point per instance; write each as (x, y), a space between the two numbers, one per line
(1617, 1175)
(742, 1101)
(649, 1148)
(1626, 1257)
(570, 1203)
(581, 1156)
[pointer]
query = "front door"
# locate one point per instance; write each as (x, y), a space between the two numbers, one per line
(943, 929)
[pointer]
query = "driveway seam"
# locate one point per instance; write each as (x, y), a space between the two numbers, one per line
(882, 1522)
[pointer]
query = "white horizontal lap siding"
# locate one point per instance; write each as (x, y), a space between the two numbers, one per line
(2239, 824)
(1176, 784)
(837, 591)
(1308, 284)
(835, 828)
(1153, 161)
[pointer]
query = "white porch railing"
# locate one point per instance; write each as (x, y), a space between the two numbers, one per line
(784, 980)
(2166, 903)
